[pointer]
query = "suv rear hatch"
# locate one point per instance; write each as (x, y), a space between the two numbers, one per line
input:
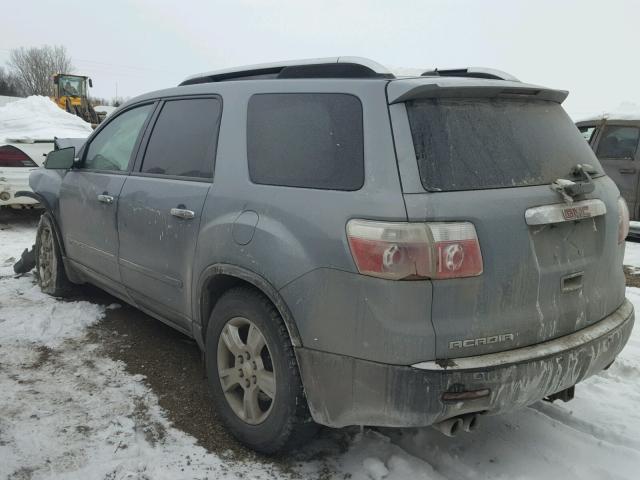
(487, 152)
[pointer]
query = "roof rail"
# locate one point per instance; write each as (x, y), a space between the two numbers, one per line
(474, 72)
(333, 67)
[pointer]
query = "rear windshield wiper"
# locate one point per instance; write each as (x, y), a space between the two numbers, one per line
(569, 188)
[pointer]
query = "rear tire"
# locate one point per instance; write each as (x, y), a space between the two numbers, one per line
(248, 350)
(52, 278)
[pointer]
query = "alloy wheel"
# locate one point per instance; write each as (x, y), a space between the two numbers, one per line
(246, 371)
(46, 257)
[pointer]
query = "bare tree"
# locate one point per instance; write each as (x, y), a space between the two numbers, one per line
(35, 67)
(9, 84)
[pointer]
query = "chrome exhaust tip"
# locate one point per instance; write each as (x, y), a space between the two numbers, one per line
(470, 422)
(450, 427)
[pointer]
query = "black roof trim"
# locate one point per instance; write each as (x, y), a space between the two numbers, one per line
(332, 70)
(472, 72)
(260, 73)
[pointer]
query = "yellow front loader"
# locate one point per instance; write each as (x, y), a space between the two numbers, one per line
(70, 93)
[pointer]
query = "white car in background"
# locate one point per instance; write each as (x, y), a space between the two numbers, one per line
(17, 161)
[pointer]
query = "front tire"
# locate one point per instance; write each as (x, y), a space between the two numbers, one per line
(253, 374)
(52, 278)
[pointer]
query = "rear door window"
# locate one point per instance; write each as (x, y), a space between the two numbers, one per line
(469, 144)
(184, 139)
(309, 140)
(618, 142)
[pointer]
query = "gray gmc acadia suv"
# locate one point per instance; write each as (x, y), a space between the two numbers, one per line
(351, 248)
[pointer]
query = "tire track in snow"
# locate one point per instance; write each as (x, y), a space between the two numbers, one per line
(565, 418)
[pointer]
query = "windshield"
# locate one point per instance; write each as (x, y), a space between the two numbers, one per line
(469, 144)
(71, 86)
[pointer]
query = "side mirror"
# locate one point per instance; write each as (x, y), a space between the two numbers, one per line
(60, 159)
(55, 80)
(90, 83)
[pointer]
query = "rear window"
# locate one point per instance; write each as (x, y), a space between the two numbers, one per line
(470, 144)
(310, 140)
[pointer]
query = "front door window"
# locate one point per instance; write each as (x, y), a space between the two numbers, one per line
(113, 146)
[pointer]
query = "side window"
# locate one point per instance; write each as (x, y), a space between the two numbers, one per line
(184, 139)
(112, 147)
(618, 142)
(587, 132)
(311, 140)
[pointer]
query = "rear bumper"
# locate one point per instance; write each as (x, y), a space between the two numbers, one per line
(13, 180)
(345, 391)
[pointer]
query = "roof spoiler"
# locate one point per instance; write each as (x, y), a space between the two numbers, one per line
(433, 90)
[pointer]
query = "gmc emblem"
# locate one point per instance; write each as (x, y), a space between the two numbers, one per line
(576, 213)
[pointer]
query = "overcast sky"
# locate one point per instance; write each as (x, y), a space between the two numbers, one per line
(587, 47)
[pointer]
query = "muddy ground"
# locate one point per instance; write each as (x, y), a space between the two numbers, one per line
(172, 365)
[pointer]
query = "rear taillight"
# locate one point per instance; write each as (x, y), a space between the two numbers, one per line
(623, 220)
(398, 251)
(11, 156)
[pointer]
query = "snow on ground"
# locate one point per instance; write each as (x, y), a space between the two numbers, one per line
(632, 254)
(39, 118)
(69, 412)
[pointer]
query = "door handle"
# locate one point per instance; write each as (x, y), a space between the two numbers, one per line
(627, 170)
(183, 213)
(108, 199)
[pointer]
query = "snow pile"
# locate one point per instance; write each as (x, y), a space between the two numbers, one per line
(5, 100)
(38, 118)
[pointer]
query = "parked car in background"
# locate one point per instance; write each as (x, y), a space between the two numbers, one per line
(614, 139)
(348, 247)
(17, 161)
